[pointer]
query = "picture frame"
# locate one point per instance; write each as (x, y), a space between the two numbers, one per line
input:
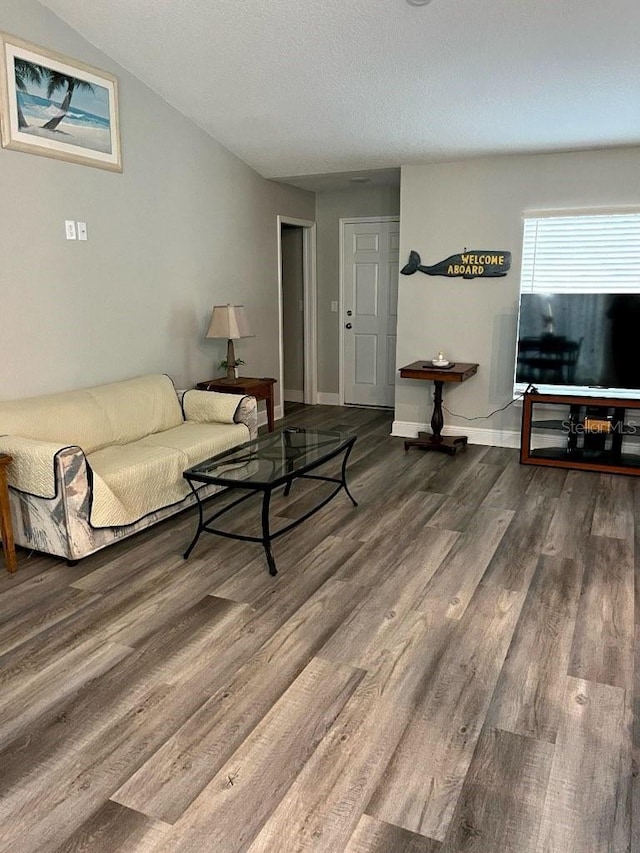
(57, 107)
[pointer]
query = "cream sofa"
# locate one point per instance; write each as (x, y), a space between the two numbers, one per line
(96, 465)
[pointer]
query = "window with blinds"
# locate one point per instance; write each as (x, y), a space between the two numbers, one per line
(585, 253)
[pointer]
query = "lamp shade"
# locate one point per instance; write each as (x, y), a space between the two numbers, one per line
(229, 321)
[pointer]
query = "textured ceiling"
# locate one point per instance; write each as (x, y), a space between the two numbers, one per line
(303, 88)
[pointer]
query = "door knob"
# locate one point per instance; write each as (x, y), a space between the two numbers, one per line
(348, 326)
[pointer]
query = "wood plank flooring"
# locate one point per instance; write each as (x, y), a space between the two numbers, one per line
(446, 668)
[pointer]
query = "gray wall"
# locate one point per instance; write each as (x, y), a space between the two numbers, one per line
(330, 208)
(187, 225)
(479, 204)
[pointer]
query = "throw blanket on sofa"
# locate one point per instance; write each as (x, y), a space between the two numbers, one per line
(134, 479)
(135, 438)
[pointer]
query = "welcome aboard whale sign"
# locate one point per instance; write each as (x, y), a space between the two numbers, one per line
(475, 263)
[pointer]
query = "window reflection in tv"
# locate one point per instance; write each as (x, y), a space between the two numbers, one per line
(579, 340)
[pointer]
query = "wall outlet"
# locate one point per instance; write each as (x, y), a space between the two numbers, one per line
(70, 229)
(82, 231)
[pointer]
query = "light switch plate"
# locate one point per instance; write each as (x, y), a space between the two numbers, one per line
(82, 231)
(334, 306)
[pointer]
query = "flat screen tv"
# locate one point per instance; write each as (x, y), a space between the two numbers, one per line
(579, 343)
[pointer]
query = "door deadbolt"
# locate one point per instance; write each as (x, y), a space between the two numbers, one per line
(349, 313)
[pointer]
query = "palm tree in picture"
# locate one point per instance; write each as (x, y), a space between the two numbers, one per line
(62, 81)
(26, 72)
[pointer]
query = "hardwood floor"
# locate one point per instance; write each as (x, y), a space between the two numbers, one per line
(447, 668)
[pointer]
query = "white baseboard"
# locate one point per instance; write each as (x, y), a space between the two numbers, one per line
(325, 399)
(476, 435)
(293, 396)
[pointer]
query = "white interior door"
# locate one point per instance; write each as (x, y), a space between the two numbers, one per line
(370, 299)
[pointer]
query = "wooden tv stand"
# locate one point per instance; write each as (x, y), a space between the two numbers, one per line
(593, 433)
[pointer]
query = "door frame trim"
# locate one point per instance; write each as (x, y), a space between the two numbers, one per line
(310, 313)
(343, 222)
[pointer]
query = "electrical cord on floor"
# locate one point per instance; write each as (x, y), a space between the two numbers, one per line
(530, 389)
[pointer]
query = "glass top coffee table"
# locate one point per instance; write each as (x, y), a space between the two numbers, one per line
(265, 464)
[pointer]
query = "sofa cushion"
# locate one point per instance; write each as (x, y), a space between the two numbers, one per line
(71, 417)
(132, 480)
(94, 418)
(136, 407)
(135, 479)
(198, 441)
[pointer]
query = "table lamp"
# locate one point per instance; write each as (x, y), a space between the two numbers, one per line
(230, 322)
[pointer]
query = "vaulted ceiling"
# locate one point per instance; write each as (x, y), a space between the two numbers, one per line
(296, 87)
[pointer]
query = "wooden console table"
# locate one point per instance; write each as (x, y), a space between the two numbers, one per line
(457, 372)
(6, 530)
(261, 389)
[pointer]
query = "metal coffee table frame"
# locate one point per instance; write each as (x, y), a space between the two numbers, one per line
(192, 475)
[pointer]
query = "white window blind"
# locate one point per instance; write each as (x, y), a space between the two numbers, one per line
(601, 254)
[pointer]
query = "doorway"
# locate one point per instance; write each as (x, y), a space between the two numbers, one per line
(369, 252)
(297, 308)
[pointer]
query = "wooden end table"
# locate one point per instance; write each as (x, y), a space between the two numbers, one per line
(456, 372)
(6, 529)
(261, 389)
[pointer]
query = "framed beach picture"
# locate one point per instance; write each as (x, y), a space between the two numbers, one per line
(56, 107)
